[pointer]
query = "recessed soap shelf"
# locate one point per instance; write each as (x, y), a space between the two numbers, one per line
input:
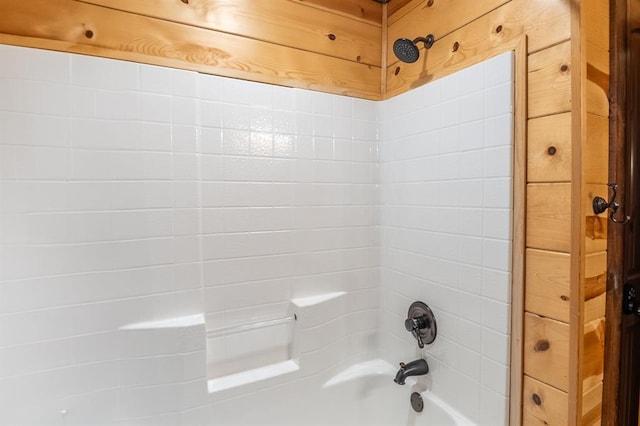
(222, 331)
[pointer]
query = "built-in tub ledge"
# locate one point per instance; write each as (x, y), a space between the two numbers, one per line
(303, 302)
(251, 376)
(177, 322)
(319, 309)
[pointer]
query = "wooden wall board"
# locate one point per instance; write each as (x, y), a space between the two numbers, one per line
(90, 29)
(595, 274)
(383, 48)
(547, 284)
(595, 158)
(281, 22)
(550, 81)
(549, 216)
(594, 308)
(577, 225)
(543, 405)
(593, 361)
(596, 226)
(546, 349)
(592, 405)
(598, 57)
(547, 23)
(596, 23)
(544, 23)
(597, 80)
(439, 19)
(595, 283)
(518, 244)
(549, 149)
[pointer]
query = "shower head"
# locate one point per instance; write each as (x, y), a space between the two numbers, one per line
(407, 50)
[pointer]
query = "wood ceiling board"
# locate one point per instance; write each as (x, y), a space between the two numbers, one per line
(80, 27)
(283, 22)
(366, 10)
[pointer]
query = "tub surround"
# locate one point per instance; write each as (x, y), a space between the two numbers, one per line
(144, 208)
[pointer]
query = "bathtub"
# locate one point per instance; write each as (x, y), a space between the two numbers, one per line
(363, 394)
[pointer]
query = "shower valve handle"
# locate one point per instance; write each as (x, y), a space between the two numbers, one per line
(414, 325)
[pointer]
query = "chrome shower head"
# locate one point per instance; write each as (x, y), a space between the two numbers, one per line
(408, 51)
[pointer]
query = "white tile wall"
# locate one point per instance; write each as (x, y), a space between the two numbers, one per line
(446, 176)
(133, 193)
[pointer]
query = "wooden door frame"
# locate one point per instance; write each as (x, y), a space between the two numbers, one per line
(615, 234)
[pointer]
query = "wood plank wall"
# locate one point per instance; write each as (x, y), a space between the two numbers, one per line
(343, 47)
(326, 45)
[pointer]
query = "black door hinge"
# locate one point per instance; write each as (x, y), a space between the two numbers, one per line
(630, 303)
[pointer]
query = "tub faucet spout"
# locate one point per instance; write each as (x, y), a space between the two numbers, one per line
(419, 367)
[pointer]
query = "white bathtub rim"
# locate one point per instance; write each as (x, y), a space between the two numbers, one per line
(380, 367)
(374, 367)
(461, 420)
(252, 376)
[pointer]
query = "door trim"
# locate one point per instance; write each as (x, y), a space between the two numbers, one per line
(615, 234)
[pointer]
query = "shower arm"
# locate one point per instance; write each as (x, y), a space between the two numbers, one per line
(428, 40)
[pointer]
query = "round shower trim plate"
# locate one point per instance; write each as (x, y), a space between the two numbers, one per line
(429, 333)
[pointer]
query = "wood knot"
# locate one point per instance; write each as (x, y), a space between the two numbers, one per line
(564, 298)
(331, 37)
(564, 68)
(397, 71)
(536, 399)
(552, 150)
(430, 3)
(358, 58)
(185, 1)
(455, 47)
(88, 34)
(542, 345)
(498, 28)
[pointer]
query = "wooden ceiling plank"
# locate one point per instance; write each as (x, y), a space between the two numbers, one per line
(365, 10)
(399, 8)
(283, 22)
(80, 27)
